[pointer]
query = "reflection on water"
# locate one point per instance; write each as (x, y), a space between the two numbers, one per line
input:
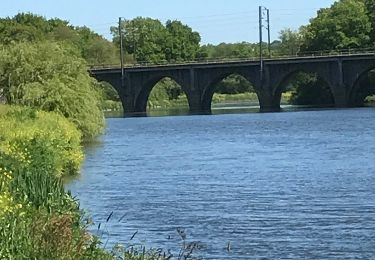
(217, 109)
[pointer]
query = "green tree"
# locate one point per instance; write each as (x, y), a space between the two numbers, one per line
(144, 38)
(182, 44)
(290, 42)
(309, 89)
(148, 40)
(234, 84)
(51, 77)
(95, 49)
(232, 50)
(370, 10)
(344, 25)
(26, 27)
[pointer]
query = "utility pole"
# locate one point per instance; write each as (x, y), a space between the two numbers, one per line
(261, 9)
(261, 42)
(269, 33)
(121, 52)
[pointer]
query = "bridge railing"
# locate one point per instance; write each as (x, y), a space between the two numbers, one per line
(302, 55)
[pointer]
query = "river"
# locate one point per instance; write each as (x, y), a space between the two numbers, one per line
(281, 185)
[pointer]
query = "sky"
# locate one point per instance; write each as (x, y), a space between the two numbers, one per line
(216, 20)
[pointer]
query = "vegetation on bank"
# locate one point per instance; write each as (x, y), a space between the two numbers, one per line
(51, 77)
(38, 219)
(370, 100)
(52, 106)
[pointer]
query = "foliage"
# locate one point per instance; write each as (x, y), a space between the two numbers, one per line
(110, 105)
(344, 25)
(95, 49)
(27, 27)
(290, 42)
(370, 99)
(38, 219)
(108, 92)
(182, 42)
(144, 38)
(51, 77)
(234, 84)
(149, 41)
(167, 93)
(370, 11)
(243, 97)
(44, 142)
(308, 89)
(231, 50)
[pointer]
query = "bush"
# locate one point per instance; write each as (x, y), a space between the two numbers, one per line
(38, 219)
(43, 142)
(52, 77)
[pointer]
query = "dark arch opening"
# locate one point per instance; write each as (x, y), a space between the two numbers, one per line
(163, 96)
(363, 90)
(230, 93)
(302, 88)
(111, 103)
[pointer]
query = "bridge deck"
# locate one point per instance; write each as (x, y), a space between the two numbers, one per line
(240, 62)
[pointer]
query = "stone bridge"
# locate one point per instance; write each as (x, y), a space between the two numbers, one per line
(198, 80)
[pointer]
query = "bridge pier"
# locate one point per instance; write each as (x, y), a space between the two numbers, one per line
(195, 103)
(340, 97)
(269, 102)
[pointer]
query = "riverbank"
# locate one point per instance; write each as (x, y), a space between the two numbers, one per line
(38, 218)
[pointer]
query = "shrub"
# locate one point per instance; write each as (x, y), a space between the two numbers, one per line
(43, 142)
(52, 77)
(38, 219)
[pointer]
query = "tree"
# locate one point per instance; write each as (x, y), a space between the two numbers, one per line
(148, 40)
(290, 42)
(344, 25)
(143, 38)
(234, 84)
(51, 77)
(182, 43)
(309, 89)
(95, 49)
(26, 27)
(231, 50)
(370, 11)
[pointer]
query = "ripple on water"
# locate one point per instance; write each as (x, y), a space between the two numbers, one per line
(285, 185)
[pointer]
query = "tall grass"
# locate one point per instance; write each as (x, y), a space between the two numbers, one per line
(38, 219)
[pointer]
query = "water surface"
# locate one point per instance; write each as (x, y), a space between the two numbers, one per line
(283, 185)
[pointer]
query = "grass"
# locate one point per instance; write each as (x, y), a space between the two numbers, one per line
(370, 100)
(246, 97)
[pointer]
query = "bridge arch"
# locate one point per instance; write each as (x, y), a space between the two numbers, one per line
(113, 80)
(111, 97)
(142, 97)
(315, 83)
(211, 86)
(363, 86)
